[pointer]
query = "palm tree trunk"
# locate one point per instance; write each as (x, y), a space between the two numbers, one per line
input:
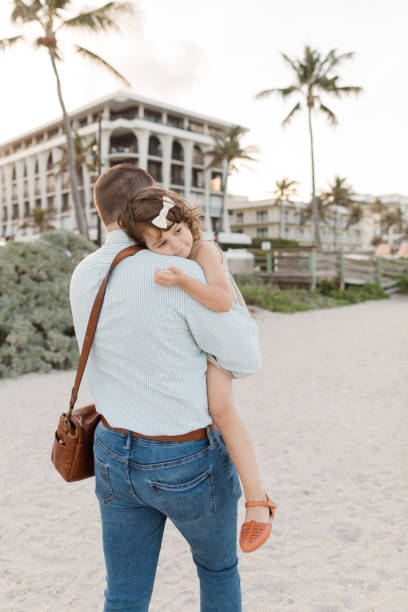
(225, 220)
(315, 212)
(79, 213)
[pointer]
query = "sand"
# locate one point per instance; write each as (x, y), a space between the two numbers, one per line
(328, 414)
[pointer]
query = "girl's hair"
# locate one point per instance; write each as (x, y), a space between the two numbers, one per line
(138, 213)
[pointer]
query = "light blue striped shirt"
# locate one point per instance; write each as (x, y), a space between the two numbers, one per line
(147, 366)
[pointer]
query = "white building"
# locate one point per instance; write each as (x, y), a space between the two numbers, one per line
(268, 219)
(169, 142)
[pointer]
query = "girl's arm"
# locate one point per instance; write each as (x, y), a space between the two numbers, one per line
(217, 295)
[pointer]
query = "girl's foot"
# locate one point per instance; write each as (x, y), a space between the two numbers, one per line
(255, 533)
(257, 513)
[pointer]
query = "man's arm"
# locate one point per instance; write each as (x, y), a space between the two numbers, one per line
(232, 337)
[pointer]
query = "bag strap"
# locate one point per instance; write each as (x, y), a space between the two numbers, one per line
(92, 323)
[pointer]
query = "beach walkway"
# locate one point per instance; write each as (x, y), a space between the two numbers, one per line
(329, 416)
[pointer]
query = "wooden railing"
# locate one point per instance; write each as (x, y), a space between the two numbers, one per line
(305, 267)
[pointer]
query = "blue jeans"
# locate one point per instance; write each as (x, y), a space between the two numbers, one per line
(139, 484)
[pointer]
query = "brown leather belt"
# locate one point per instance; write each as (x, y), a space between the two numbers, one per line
(191, 436)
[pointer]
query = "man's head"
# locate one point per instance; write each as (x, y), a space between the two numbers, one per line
(115, 187)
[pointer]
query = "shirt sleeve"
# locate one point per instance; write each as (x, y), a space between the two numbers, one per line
(232, 337)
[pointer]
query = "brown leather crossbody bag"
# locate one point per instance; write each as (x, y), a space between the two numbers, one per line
(72, 450)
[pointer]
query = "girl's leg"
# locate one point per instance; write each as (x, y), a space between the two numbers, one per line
(236, 437)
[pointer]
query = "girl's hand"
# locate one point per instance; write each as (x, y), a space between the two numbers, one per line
(168, 278)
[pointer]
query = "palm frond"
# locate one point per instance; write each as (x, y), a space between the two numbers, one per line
(284, 92)
(24, 13)
(292, 63)
(348, 89)
(5, 43)
(101, 62)
(101, 18)
(355, 216)
(335, 60)
(331, 117)
(292, 113)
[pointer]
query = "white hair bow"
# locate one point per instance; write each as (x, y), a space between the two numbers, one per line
(161, 219)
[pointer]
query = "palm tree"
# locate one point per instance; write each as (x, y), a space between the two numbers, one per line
(284, 191)
(84, 156)
(313, 76)
(50, 17)
(307, 212)
(341, 194)
(226, 152)
(39, 219)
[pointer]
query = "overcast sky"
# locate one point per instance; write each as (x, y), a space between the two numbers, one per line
(213, 56)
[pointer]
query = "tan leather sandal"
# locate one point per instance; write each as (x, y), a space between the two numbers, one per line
(254, 534)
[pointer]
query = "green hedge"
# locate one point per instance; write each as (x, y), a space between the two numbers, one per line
(276, 243)
(36, 330)
(293, 300)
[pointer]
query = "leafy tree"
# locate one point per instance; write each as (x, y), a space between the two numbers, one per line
(50, 17)
(36, 329)
(313, 75)
(284, 192)
(227, 151)
(39, 219)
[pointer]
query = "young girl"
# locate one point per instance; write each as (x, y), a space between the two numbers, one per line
(164, 223)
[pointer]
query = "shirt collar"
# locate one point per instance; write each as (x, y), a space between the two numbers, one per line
(119, 237)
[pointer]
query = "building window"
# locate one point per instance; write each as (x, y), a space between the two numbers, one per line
(261, 231)
(175, 121)
(152, 115)
(155, 147)
(130, 112)
(195, 126)
(261, 215)
(198, 156)
(154, 168)
(50, 165)
(177, 174)
(50, 202)
(197, 178)
(214, 131)
(65, 202)
(125, 142)
(15, 211)
(177, 151)
(52, 133)
(240, 217)
(83, 121)
(5, 213)
(216, 181)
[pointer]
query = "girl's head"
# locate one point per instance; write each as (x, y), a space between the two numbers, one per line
(183, 222)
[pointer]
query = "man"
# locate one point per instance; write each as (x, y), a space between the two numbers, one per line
(157, 454)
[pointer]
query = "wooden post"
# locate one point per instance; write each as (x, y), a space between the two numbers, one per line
(312, 268)
(269, 268)
(378, 275)
(341, 269)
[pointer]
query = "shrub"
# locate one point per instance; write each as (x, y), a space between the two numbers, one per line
(36, 329)
(403, 283)
(292, 300)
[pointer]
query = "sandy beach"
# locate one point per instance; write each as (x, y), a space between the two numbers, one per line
(328, 414)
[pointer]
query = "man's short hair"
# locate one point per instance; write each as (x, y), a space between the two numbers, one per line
(116, 186)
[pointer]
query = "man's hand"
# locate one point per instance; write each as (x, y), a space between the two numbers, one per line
(170, 277)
